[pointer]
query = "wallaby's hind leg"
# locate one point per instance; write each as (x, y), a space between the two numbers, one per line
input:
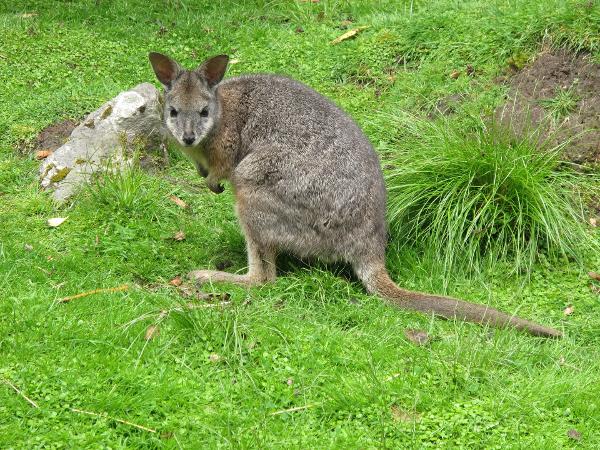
(261, 268)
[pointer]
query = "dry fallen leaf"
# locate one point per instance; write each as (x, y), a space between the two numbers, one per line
(455, 74)
(574, 434)
(151, 332)
(28, 247)
(179, 236)
(345, 23)
(41, 154)
(470, 69)
(214, 357)
(401, 415)
(178, 201)
(595, 289)
(569, 310)
(417, 337)
(594, 276)
(176, 281)
(56, 221)
(28, 15)
(348, 34)
(593, 221)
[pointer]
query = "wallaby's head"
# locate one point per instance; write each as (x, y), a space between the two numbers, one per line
(190, 102)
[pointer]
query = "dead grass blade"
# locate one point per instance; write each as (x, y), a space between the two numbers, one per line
(18, 391)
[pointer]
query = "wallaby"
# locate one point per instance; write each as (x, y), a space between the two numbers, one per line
(305, 178)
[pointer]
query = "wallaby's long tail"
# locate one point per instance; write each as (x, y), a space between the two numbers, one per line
(379, 282)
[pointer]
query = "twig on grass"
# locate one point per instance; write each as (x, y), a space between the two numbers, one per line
(18, 391)
(106, 416)
(95, 291)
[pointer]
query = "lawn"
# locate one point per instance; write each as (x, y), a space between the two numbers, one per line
(309, 361)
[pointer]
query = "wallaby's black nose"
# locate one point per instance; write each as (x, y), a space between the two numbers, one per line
(189, 140)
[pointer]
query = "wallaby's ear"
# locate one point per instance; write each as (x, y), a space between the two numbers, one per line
(213, 69)
(165, 68)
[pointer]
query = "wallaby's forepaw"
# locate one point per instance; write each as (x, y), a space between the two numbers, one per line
(216, 188)
(213, 184)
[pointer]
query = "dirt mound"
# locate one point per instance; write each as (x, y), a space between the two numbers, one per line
(559, 92)
(55, 135)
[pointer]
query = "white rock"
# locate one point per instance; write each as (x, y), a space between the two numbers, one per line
(103, 137)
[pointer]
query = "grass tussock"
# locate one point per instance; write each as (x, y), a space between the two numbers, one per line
(474, 198)
(126, 191)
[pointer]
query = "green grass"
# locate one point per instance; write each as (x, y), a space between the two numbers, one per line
(475, 198)
(312, 340)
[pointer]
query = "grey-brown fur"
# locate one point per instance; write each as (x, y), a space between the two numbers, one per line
(305, 177)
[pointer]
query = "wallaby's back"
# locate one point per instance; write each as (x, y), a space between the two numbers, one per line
(312, 160)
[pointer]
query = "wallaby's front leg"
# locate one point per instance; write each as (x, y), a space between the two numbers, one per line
(211, 181)
(202, 171)
(261, 268)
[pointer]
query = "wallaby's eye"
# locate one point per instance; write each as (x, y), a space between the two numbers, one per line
(204, 111)
(173, 112)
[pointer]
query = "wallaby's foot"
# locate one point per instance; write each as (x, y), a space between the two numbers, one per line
(216, 276)
(261, 268)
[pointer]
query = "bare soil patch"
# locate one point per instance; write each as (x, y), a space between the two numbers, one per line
(559, 93)
(55, 135)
